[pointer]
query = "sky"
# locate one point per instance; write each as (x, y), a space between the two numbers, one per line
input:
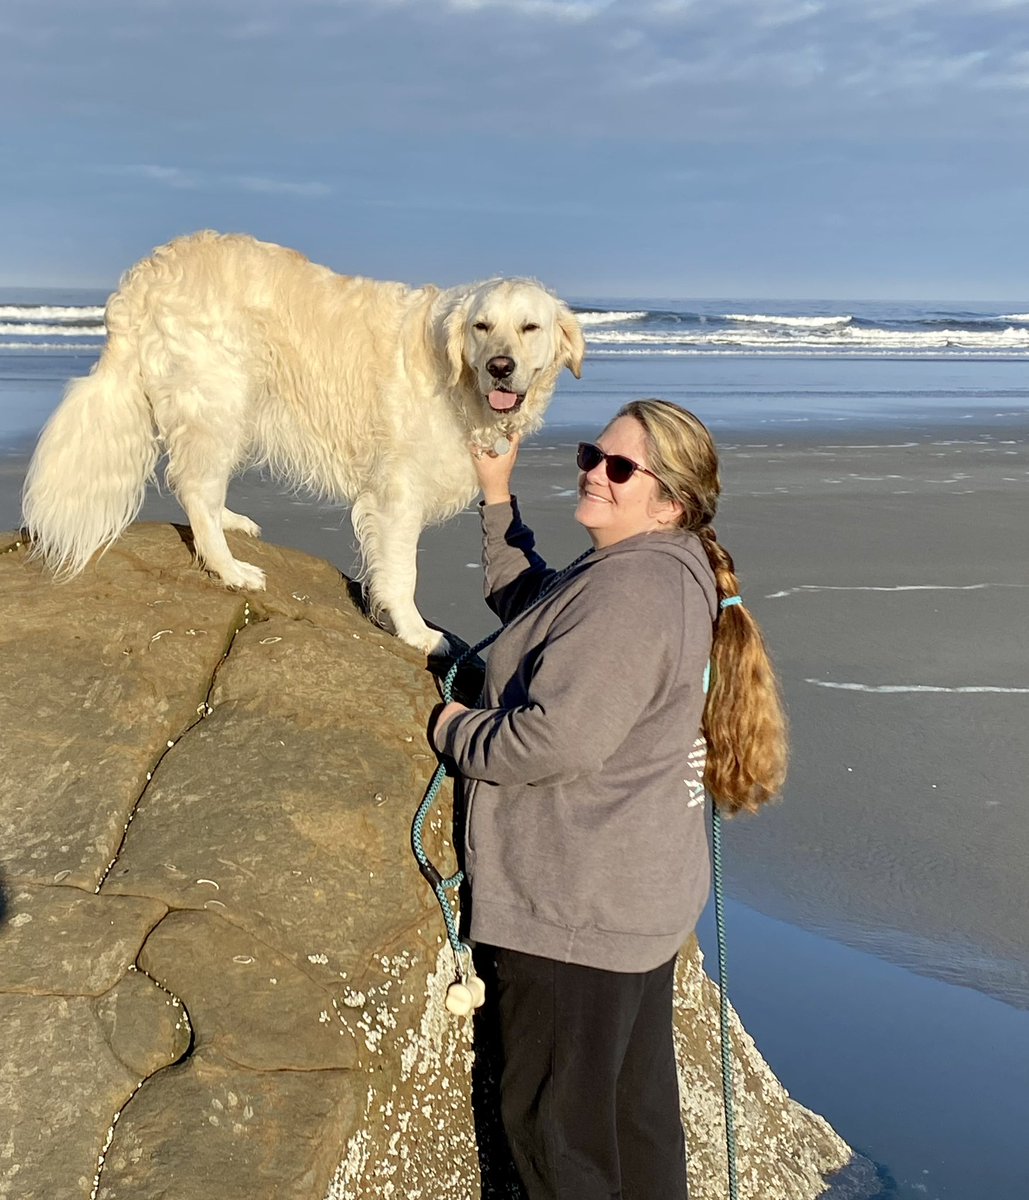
(610, 148)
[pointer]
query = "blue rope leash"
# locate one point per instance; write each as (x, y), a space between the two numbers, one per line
(440, 885)
(723, 999)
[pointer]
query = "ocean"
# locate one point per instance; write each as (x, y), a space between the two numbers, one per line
(805, 329)
(915, 1047)
(43, 320)
(810, 362)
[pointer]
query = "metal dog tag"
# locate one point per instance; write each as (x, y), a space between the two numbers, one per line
(501, 446)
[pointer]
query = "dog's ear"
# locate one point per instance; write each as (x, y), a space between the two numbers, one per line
(572, 340)
(453, 334)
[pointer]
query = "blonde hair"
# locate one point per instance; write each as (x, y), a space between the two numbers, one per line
(744, 721)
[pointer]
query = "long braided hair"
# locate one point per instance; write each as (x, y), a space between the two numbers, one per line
(744, 721)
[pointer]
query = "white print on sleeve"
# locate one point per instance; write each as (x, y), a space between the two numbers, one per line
(696, 761)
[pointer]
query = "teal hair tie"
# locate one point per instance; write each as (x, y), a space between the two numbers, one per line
(729, 601)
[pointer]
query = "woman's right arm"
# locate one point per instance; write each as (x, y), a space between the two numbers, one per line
(515, 574)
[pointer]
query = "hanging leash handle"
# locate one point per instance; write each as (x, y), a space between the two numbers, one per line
(467, 991)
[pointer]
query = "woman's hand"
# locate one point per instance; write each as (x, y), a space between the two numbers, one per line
(442, 718)
(494, 471)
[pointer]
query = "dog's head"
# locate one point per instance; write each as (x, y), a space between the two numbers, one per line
(508, 339)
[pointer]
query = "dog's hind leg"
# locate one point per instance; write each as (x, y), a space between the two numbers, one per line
(236, 521)
(203, 500)
(204, 444)
(388, 534)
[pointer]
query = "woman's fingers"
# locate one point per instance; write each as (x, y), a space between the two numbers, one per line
(493, 466)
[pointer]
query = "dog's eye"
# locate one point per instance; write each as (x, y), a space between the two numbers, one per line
(530, 327)
(481, 326)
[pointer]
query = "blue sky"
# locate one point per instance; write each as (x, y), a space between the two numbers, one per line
(611, 148)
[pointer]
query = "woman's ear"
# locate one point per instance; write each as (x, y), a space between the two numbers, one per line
(669, 513)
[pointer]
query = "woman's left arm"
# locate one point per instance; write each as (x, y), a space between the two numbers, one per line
(605, 660)
(442, 718)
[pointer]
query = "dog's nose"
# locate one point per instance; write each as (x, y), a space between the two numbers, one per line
(500, 366)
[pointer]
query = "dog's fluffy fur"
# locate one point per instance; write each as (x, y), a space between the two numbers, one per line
(223, 352)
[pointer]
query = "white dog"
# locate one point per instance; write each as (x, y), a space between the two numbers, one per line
(223, 352)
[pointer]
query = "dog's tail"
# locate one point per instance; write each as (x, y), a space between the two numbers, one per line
(89, 472)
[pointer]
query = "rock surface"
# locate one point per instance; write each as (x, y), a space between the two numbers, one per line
(221, 974)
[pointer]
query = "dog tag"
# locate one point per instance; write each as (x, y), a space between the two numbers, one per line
(501, 446)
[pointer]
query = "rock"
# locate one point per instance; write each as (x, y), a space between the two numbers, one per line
(223, 975)
(60, 1089)
(212, 1129)
(144, 1024)
(301, 779)
(58, 941)
(780, 1144)
(248, 1002)
(83, 654)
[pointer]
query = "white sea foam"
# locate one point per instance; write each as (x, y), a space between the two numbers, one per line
(898, 587)
(608, 318)
(898, 688)
(66, 347)
(50, 312)
(1013, 317)
(862, 352)
(30, 328)
(798, 322)
(838, 337)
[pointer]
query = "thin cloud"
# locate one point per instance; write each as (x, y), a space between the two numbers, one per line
(564, 10)
(174, 177)
(280, 187)
(184, 179)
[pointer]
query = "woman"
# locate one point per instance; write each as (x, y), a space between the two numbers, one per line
(584, 774)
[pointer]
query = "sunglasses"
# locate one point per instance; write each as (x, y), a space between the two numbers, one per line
(619, 468)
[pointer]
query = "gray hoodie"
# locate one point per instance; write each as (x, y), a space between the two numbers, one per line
(586, 839)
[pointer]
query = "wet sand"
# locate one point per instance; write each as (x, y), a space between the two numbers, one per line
(888, 570)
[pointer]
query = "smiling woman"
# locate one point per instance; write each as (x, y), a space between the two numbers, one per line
(583, 774)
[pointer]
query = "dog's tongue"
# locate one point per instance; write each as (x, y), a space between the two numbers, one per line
(502, 401)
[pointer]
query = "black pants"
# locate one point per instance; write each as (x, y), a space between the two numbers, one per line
(589, 1090)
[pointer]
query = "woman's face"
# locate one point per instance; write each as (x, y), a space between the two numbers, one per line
(614, 511)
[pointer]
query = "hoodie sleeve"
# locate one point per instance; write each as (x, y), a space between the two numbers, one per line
(609, 654)
(515, 574)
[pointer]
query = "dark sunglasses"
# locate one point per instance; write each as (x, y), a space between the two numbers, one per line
(619, 468)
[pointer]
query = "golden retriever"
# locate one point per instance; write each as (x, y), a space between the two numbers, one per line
(224, 352)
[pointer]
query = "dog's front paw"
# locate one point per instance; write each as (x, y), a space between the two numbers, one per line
(245, 576)
(432, 643)
(441, 649)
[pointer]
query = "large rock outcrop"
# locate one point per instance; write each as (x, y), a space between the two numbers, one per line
(221, 975)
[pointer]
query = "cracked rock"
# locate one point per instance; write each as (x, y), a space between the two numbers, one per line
(209, 1130)
(62, 941)
(251, 1004)
(146, 1027)
(60, 1086)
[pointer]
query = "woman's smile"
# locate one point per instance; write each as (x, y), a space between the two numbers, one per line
(614, 511)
